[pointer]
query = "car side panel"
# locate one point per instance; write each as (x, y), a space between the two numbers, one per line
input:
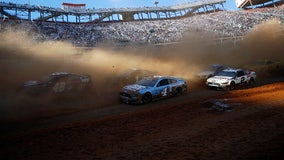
(162, 91)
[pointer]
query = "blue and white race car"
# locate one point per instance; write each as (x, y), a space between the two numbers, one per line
(152, 88)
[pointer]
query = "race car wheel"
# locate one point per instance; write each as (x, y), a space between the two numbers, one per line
(147, 97)
(178, 92)
(251, 81)
(232, 86)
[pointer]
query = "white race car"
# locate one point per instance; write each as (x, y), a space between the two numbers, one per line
(230, 78)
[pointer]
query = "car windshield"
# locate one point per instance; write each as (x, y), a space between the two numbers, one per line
(226, 73)
(47, 78)
(148, 82)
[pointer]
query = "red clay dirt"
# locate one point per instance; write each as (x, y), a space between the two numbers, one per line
(185, 127)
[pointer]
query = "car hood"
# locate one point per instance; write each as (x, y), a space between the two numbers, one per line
(219, 78)
(134, 87)
(31, 83)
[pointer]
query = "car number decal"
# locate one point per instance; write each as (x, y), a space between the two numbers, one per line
(242, 79)
(59, 87)
(164, 92)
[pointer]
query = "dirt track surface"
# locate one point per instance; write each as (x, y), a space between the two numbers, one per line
(249, 125)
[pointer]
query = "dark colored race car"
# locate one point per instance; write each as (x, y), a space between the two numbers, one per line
(210, 71)
(58, 83)
(152, 88)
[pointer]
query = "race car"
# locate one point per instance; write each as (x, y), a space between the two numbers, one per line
(230, 78)
(212, 70)
(58, 83)
(152, 88)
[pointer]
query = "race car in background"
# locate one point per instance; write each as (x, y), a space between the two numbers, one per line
(212, 70)
(152, 88)
(58, 83)
(230, 78)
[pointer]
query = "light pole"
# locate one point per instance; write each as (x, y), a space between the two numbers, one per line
(156, 3)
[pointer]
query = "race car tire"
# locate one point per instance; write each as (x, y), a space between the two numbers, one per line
(232, 86)
(178, 91)
(147, 98)
(251, 81)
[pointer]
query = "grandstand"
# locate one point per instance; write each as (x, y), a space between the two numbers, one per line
(68, 13)
(223, 26)
(257, 3)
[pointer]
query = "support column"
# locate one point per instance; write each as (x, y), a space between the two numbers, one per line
(29, 15)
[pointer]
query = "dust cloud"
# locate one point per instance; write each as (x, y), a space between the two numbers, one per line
(265, 41)
(23, 59)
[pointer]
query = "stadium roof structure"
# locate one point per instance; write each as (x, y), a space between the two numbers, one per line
(45, 13)
(256, 3)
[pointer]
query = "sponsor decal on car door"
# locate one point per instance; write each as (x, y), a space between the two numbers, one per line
(162, 88)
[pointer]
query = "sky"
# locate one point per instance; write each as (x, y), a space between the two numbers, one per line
(229, 5)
